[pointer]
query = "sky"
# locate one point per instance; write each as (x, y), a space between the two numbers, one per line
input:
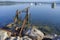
(32, 0)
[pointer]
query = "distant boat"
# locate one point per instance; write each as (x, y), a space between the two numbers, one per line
(53, 5)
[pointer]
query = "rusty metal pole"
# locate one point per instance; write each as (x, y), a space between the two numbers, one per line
(16, 17)
(24, 22)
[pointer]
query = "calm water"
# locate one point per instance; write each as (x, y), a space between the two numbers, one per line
(40, 14)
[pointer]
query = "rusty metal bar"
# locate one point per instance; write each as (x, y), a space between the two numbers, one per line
(24, 22)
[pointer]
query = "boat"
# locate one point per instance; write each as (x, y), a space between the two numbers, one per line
(53, 5)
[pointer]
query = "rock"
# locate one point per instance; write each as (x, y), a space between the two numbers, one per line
(26, 38)
(46, 39)
(36, 34)
(56, 38)
(3, 34)
(11, 25)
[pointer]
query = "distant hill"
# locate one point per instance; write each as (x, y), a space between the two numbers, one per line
(7, 2)
(26, 2)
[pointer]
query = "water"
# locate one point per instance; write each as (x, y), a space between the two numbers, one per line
(7, 13)
(40, 14)
(44, 14)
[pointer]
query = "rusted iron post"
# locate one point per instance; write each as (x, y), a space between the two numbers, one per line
(24, 22)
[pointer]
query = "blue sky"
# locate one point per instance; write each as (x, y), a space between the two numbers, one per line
(32, 0)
